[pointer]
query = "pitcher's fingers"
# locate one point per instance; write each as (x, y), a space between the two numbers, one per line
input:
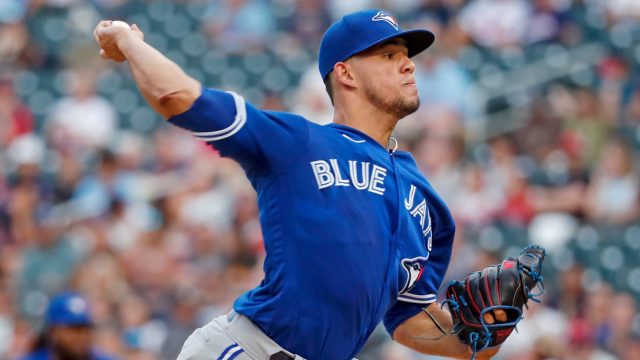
(104, 24)
(95, 31)
(101, 25)
(103, 54)
(500, 315)
(136, 29)
(488, 318)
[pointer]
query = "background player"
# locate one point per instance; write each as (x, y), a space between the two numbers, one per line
(68, 333)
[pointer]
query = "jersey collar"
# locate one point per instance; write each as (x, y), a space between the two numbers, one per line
(355, 134)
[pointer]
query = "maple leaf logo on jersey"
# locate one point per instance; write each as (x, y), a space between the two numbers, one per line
(414, 269)
(384, 16)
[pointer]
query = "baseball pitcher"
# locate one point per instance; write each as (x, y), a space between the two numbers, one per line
(354, 233)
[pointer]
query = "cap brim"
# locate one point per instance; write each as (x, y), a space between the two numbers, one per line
(417, 41)
(70, 321)
(72, 324)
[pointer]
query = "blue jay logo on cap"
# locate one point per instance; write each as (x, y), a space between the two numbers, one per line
(385, 16)
(77, 305)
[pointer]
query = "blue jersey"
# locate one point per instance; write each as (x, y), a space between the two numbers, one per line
(353, 234)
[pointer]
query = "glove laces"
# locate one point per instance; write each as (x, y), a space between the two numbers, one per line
(539, 286)
(473, 341)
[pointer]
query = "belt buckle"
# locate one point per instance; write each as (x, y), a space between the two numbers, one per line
(280, 356)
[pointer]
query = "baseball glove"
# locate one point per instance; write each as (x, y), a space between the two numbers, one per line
(499, 289)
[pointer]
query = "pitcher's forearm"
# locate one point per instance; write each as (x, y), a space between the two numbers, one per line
(422, 334)
(447, 346)
(164, 85)
(430, 342)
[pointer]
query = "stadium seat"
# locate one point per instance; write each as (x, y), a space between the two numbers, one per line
(633, 280)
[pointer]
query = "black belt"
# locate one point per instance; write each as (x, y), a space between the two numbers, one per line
(280, 356)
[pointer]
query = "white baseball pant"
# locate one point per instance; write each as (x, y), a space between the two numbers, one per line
(232, 337)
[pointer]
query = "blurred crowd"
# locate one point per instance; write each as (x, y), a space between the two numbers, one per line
(529, 129)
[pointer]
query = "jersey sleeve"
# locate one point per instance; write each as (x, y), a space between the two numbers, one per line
(261, 141)
(425, 291)
(399, 313)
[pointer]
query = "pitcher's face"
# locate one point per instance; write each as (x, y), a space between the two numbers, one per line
(385, 74)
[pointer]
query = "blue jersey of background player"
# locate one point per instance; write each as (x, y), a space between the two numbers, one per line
(68, 331)
(354, 234)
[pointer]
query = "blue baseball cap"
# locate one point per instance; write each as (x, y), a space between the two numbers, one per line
(362, 30)
(68, 309)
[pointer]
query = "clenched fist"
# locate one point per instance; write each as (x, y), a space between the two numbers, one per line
(109, 37)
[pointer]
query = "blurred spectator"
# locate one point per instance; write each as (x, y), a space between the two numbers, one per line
(476, 203)
(559, 176)
(614, 192)
(582, 344)
(540, 134)
(12, 11)
(339, 8)
(183, 321)
(143, 336)
(444, 10)
(571, 294)
(540, 324)
(68, 331)
(597, 313)
(443, 82)
(239, 25)
(47, 267)
(25, 205)
(560, 182)
(615, 86)
(311, 98)
(15, 118)
(16, 51)
(83, 119)
(496, 23)
(308, 21)
(631, 350)
(518, 208)
(69, 173)
(111, 9)
(6, 322)
(502, 160)
(620, 10)
(150, 264)
(620, 324)
(56, 3)
(440, 149)
(630, 118)
(586, 122)
(93, 195)
(547, 20)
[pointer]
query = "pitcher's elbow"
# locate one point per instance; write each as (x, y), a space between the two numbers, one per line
(177, 101)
